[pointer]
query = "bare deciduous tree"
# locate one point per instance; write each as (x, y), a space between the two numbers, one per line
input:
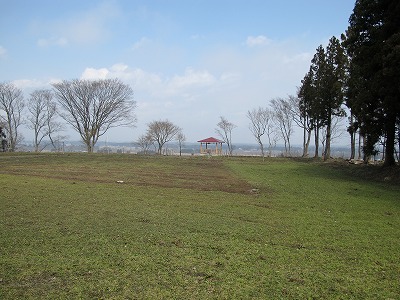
(93, 107)
(224, 130)
(162, 132)
(284, 120)
(272, 135)
(12, 103)
(144, 142)
(259, 118)
(302, 120)
(42, 118)
(181, 139)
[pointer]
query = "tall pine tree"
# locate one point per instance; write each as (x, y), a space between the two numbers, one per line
(334, 83)
(321, 93)
(373, 43)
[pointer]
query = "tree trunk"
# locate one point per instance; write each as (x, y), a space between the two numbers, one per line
(322, 149)
(359, 145)
(304, 139)
(89, 147)
(308, 141)
(352, 137)
(397, 152)
(352, 145)
(36, 143)
(261, 147)
(269, 147)
(390, 139)
(327, 153)
(365, 156)
(11, 137)
(316, 139)
(307, 144)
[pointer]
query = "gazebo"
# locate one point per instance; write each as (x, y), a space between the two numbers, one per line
(204, 149)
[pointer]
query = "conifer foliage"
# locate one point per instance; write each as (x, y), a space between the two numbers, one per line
(373, 44)
(362, 72)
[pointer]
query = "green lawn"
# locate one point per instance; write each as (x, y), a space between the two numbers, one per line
(194, 228)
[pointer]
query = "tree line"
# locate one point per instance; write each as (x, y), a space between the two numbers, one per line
(356, 76)
(360, 72)
(91, 108)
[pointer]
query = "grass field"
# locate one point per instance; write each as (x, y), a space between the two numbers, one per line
(196, 228)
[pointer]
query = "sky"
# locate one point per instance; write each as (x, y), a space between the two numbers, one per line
(187, 61)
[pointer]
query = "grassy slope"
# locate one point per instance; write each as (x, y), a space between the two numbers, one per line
(189, 228)
(341, 238)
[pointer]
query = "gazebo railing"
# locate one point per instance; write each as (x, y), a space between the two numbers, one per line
(210, 151)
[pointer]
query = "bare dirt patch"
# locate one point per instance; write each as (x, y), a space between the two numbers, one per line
(197, 173)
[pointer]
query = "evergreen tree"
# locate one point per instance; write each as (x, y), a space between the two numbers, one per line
(319, 71)
(334, 96)
(373, 43)
(306, 95)
(322, 90)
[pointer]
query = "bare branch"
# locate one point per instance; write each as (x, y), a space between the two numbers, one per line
(12, 103)
(162, 132)
(284, 120)
(42, 118)
(93, 107)
(259, 118)
(224, 130)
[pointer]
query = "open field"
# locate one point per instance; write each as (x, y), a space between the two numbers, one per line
(196, 228)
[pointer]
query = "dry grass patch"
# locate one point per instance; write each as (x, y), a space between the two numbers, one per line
(197, 173)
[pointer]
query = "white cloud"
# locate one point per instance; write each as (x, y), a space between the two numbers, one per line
(3, 52)
(55, 80)
(61, 41)
(230, 76)
(153, 83)
(190, 79)
(83, 28)
(260, 40)
(141, 43)
(145, 81)
(119, 68)
(137, 77)
(91, 73)
(29, 85)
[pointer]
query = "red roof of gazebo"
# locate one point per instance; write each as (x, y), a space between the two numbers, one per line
(210, 140)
